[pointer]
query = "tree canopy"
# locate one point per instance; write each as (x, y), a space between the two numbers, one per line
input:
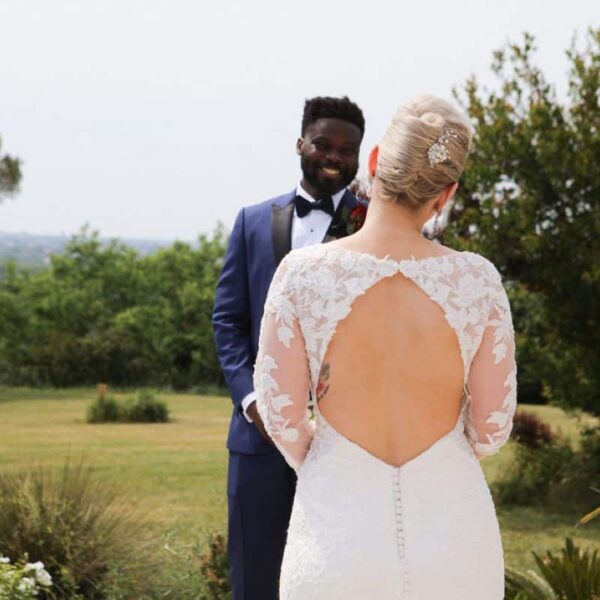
(10, 174)
(104, 313)
(530, 202)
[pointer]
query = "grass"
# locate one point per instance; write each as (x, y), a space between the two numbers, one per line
(177, 471)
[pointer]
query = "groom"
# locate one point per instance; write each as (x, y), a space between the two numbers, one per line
(260, 486)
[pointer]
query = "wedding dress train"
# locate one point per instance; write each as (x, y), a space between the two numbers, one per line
(362, 528)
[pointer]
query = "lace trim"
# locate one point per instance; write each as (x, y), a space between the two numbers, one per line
(315, 288)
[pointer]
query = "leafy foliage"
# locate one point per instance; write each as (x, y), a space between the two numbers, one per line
(198, 571)
(144, 407)
(572, 575)
(103, 313)
(534, 474)
(530, 202)
(105, 410)
(215, 569)
(10, 174)
(546, 470)
(22, 580)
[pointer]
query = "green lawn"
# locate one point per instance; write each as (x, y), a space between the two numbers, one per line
(177, 471)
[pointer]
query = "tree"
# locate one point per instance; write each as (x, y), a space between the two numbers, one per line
(530, 202)
(100, 312)
(10, 174)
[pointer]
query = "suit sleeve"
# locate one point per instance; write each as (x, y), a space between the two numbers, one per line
(231, 317)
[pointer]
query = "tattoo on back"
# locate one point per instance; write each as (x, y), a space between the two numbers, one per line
(323, 385)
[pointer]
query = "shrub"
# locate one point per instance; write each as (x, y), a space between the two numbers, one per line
(215, 569)
(572, 575)
(197, 572)
(83, 528)
(590, 455)
(105, 410)
(531, 431)
(23, 580)
(547, 470)
(146, 408)
(534, 473)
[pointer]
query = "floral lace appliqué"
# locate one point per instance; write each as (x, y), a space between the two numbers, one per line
(314, 289)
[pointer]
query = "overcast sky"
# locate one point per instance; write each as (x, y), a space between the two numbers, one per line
(157, 119)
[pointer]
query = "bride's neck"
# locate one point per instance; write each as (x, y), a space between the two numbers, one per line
(388, 220)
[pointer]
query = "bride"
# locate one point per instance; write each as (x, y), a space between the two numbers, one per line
(404, 349)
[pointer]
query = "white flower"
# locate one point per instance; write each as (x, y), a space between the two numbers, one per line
(34, 566)
(43, 577)
(27, 584)
(4, 560)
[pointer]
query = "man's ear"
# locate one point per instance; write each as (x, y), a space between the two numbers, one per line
(299, 145)
(373, 161)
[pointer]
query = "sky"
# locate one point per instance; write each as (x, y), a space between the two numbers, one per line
(159, 119)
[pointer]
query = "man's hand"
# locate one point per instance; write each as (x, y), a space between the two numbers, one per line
(252, 412)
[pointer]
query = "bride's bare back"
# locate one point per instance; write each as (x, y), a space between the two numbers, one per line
(386, 346)
(392, 378)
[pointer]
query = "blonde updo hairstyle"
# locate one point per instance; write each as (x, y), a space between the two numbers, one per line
(408, 170)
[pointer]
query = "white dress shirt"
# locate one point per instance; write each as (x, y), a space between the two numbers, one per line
(306, 231)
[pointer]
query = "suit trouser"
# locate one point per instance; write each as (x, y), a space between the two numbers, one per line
(260, 493)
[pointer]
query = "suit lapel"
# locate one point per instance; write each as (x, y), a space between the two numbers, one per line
(281, 229)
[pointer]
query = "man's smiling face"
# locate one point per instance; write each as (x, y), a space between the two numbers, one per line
(328, 153)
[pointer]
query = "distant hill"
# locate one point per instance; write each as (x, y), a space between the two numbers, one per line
(33, 251)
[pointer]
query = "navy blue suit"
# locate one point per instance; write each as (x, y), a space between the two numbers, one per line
(260, 486)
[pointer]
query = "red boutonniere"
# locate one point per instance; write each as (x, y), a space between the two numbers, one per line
(354, 219)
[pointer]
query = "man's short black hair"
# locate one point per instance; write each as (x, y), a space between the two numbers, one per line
(326, 107)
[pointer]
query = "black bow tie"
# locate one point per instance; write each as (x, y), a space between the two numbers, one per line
(304, 206)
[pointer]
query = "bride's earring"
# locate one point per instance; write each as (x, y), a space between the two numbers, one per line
(436, 224)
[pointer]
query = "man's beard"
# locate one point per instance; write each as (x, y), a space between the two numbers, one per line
(322, 184)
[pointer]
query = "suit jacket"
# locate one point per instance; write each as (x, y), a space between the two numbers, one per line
(260, 238)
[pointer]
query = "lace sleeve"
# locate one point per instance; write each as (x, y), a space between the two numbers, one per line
(492, 379)
(281, 373)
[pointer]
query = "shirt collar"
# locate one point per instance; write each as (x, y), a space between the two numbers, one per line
(300, 191)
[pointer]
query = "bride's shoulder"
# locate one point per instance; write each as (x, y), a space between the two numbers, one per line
(479, 263)
(303, 257)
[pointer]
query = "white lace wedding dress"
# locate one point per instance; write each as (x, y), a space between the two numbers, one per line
(360, 527)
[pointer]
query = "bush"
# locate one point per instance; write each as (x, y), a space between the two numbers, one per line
(531, 431)
(215, 569)
(84, 530)
(101, 311)
(105, 410)
(145, 407)
(534, 474)
(572, 575)
(197, 572)
(584, 478)
(546, 470)
(23, 580)
(590, 454)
